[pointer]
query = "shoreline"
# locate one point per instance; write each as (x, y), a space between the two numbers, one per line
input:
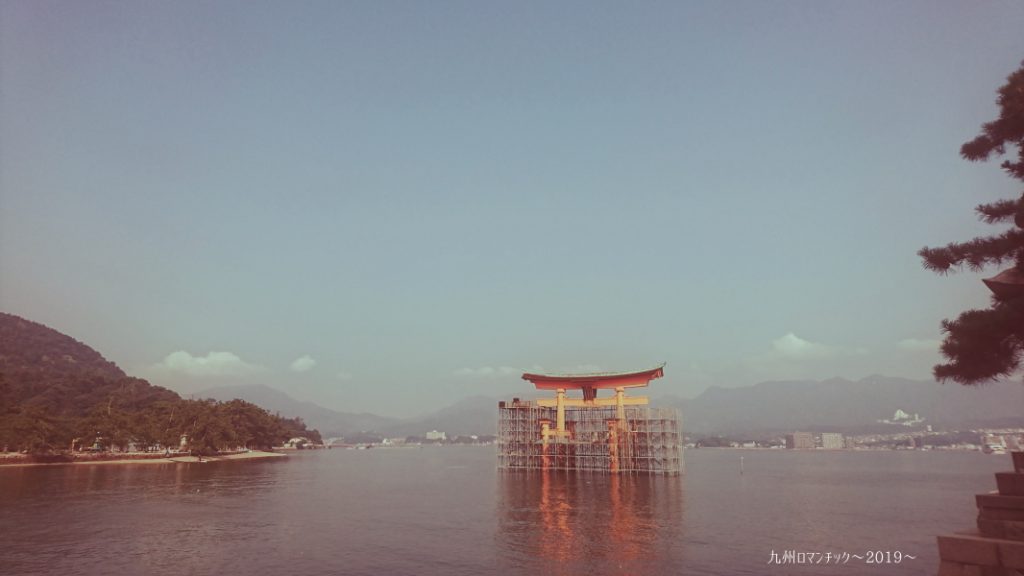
(182, 459)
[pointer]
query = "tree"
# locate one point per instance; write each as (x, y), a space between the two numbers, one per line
(981, 345)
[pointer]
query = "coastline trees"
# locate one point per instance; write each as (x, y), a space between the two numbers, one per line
(209, 426)
(981, 345)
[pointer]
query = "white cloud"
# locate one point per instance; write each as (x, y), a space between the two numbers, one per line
(794, 347)
(343, 375)
(304, 363)
(916, 345)
(487, 372)
(791, 356)
(213, 364)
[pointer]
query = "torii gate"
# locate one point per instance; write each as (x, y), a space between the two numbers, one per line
(590, 384)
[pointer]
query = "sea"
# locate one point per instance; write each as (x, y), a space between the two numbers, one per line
(447, 510)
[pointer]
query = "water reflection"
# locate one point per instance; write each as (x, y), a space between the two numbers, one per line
(136, 518)
(568, 523)
(448, 512)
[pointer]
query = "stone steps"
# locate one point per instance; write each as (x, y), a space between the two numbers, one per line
(997, 548)
(1001, 516)
(1003, 529)
(999, 501)
(977, 554)
(1010, 483)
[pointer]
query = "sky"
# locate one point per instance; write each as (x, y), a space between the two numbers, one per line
(389, 206)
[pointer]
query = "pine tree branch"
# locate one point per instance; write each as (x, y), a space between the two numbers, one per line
(1000, 211)
(981, 147)
(1007, 130)
(982, 345)
(1015, 169)
(975, 254)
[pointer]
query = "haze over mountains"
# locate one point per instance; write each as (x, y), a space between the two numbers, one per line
(766, 407)
(844, 404)
(473, 415)
(42, 368)
(329, 422)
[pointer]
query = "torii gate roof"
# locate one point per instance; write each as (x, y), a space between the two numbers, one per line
(599, 380)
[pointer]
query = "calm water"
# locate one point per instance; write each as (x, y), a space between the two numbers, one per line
(447, 511)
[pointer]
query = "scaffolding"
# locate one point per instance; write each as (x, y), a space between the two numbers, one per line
(622, 439)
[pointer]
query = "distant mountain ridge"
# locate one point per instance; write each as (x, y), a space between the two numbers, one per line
(779, 406)
(471, 415)
(841, 403)
(328, 422)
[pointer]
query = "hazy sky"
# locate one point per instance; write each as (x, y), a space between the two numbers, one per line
(386, 206)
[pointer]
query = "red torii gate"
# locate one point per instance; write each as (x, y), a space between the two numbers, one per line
(589, 384)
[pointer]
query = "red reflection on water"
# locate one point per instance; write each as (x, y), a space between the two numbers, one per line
(569, 523)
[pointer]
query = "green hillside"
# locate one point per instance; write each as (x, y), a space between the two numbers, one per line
(58, 394)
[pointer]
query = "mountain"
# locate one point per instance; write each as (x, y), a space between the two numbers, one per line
(44, 369)
(57, 393)
(473, 415)
(845, 404)
(52, 387)
(781, 406)
(328, 422)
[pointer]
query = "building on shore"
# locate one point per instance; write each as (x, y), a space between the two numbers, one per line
(435, 435)
(832, 441)
(800, 441)
(617, 434)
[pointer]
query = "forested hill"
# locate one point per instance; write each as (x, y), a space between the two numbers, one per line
(44, 369)
(56, 393)
(28, 347)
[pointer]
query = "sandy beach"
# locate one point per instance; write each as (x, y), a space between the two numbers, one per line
(182, 459)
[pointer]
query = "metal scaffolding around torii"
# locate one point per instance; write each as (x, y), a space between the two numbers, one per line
(619, 434)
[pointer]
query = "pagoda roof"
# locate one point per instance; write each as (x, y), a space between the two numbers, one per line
(596, 380)
(1007, 284)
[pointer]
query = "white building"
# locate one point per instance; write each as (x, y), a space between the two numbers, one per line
(435, 435)
(832, 441)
